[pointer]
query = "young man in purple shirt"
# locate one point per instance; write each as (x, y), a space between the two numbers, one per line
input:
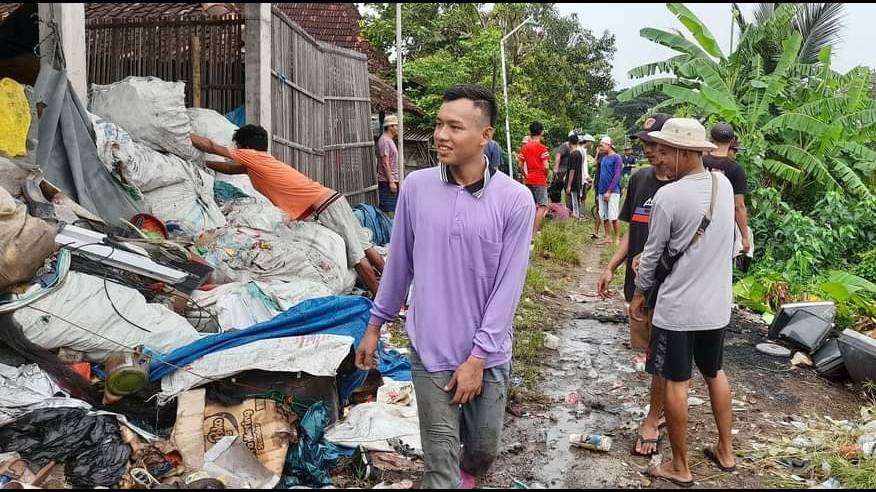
(463, 231)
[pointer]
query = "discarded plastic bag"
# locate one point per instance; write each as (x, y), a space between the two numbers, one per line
(90, 446)
(25, 242)
(14, 118)
(234, 464)
(314, 458)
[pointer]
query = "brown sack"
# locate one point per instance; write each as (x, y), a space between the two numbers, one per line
(25, 243)
(266, 428)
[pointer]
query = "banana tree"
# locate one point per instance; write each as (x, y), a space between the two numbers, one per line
(787, 117)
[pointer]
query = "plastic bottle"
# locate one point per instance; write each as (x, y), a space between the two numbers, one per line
(594, 443)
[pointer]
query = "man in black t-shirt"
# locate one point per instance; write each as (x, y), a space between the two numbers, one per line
(574, 171)
(636, 211)
(719, 161)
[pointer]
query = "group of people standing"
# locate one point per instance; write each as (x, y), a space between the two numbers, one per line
(461, 229)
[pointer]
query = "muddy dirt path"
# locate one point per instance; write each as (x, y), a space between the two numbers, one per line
(590, 387)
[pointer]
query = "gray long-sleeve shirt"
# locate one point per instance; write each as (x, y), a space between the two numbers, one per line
(697, 295)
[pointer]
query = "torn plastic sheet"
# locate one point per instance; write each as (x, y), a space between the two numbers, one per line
(28, 388)
(375, 426)
(317, 355)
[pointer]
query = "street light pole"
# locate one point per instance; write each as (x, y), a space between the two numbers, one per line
(505, 90)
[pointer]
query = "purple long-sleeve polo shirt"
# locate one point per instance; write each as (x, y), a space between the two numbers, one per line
(468, 248)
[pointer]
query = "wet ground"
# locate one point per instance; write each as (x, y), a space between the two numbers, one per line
(590, 387)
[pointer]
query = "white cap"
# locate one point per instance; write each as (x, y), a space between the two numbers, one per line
(606, 140)
(586, 138)
(571, 132)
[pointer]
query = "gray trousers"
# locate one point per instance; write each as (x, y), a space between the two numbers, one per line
(475, 426)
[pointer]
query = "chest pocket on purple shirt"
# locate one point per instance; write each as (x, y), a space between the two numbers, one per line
(481, 256)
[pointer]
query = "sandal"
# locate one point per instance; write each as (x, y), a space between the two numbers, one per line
(653, 472)
(641, 441)
(712, 455)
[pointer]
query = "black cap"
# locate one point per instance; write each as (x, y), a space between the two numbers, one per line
(723, 132)
(652, 124)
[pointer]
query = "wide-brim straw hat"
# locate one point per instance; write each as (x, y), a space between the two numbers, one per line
(683, 133)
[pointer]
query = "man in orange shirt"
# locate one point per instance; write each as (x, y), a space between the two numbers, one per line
(299, 196)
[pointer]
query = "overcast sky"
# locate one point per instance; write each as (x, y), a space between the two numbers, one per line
(624, 20)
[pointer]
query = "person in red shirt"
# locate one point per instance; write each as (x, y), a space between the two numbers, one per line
(536, 158)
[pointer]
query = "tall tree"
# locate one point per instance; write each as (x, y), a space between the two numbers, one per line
(557, 70)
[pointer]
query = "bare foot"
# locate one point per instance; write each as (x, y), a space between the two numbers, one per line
(668, 472)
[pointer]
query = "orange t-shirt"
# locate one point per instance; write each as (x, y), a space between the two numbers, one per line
(287, 188)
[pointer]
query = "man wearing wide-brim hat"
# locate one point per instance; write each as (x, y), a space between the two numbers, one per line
(692, 308)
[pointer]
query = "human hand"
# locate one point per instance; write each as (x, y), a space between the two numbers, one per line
(607, 196)
(366, 353)
(467, 380)
(393, 187)
(637, 260)
(746, 245)
(604, 282)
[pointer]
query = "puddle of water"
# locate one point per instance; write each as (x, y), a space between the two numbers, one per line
(594, 361)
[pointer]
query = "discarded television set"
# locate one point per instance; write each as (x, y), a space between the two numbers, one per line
(825, 310)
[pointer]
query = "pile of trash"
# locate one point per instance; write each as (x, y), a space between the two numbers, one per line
(805, 329)
(164, 326)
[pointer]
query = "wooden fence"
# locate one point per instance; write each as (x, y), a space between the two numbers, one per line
(321, 111)
(205, 53)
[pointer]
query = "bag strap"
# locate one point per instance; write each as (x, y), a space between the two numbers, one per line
(707, 218)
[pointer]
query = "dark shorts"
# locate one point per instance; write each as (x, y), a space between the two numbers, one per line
(386, 199)
(540, 195)
(672, 353)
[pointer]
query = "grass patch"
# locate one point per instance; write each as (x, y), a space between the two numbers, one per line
(557, 251)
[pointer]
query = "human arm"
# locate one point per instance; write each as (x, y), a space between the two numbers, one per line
(619, 257)
(397, 277)
(226, 167)
(208, 146)
(742, 222)
(616, 175)
(387, 169)
(659, 232)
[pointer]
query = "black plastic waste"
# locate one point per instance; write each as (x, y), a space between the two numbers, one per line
(859, 353)
(806, 331)
(90, 447)
(829, 360)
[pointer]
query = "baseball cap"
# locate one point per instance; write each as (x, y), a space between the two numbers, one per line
(606, 140)
(723, 132)
(586, 138)
(652, 124)
(571, 132)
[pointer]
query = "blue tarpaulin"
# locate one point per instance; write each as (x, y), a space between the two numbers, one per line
(332, 315)
(237, 116)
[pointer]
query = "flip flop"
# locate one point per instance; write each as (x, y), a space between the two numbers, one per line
(714, 457)
(680, 483)
(643, 440)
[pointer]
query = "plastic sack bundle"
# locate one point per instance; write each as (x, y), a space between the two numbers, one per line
(152, 110)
